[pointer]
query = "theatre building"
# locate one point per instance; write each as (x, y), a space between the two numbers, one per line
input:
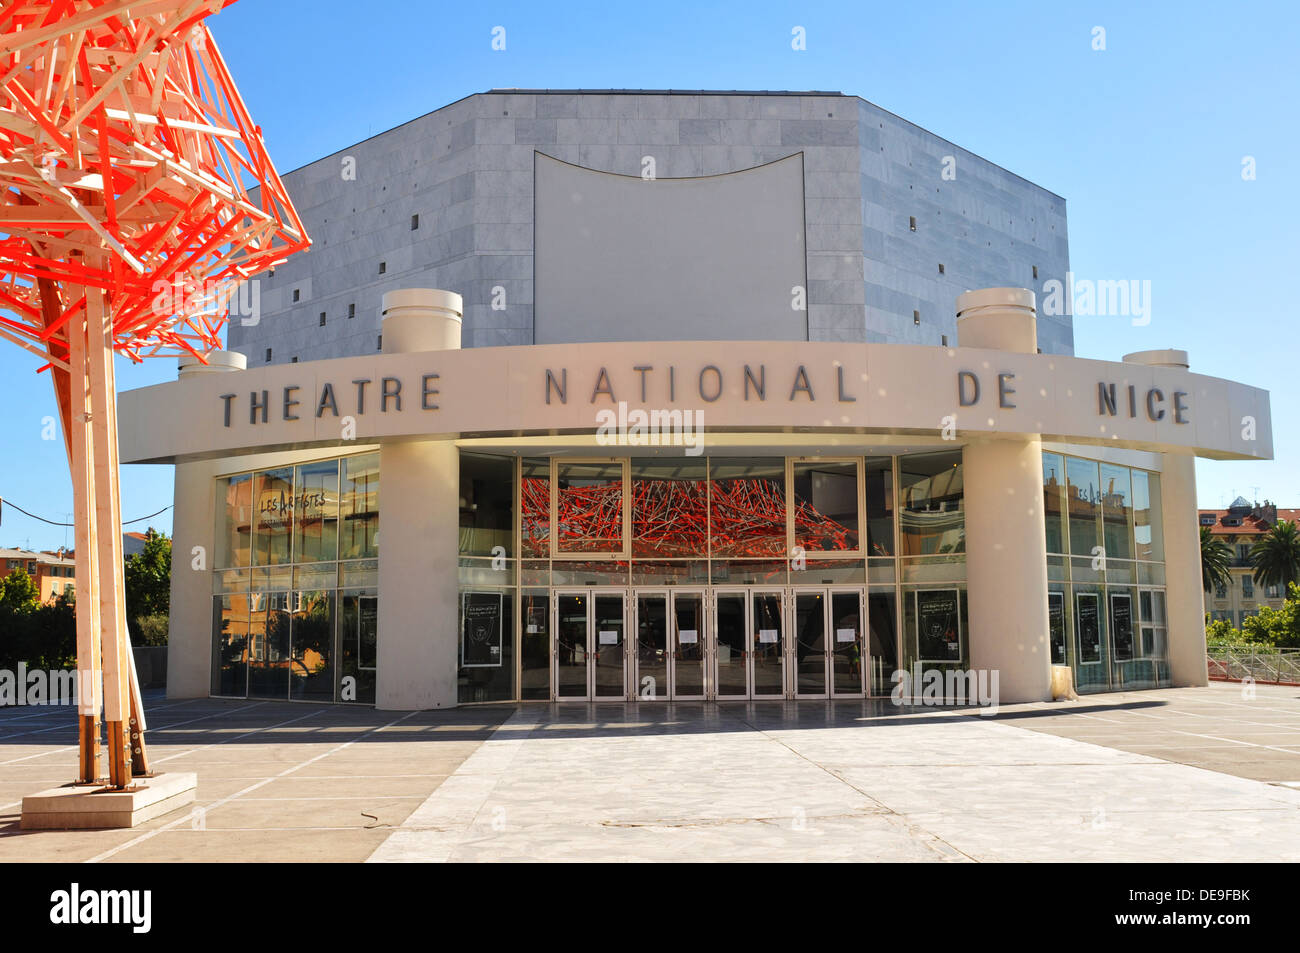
(731, 430)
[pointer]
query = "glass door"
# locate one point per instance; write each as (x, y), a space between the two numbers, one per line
(730, 642)
(848, 643)
(767, 655)
(572, 645)
(650, 679)
(609, 658)
(809, 646)
(687, 655)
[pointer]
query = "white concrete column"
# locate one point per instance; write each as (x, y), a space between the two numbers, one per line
(1006, 543)
(1184, 596)
(419, 535)
(194, 518)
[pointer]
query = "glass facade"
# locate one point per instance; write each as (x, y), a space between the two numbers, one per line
(295, 604)
(692, 525)
(1106, 600)
(868, 550)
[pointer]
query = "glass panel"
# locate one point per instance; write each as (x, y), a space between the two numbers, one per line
(748, 571)
(596, 573)
(230, 645)
(589, 508)
(1146, 516)
(663, 572)
(1053, 501)
(846, 638)
(670, 507)
(311, 670)
(535, 572)
(487, 660)
(316, 576)
(234, 521)
(268, 642)
(880, 506)
(826, 515)
(535, 647)
(1083, 498)
(1116, 511)
(930, 491)
(747, 506)
(827, 572)
(316, 512)
(273, 496)
(358, 646)
(651, 647)
(882, 619)
(810, 643)
(232, 580)
(477, 571)
(487, 512)
(1091, 650)
(935, 569)
(362, 574)
(731, 646)
(688, 634)
(768, 654)
(1056, 626)
(938, 630)
(535, 507)
(359, 507)
(571, 647)
(610, 651)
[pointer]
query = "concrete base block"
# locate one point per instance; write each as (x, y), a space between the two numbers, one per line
(86, 806)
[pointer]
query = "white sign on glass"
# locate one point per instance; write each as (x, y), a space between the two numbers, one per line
(609, 637)
(688, 635)
(767, 635)
(846, 635)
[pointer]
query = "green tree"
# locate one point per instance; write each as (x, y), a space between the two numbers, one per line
(18, 593)
(1278, 627)
(1215, 557)
(148, 580)
(1276, 557)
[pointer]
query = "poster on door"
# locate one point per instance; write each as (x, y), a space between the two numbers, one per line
(480, 636)
(1121, 625)
(1089, 625)
(938, 630)
(1056, 625)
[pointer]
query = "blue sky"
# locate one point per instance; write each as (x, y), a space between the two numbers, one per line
(1145, 140)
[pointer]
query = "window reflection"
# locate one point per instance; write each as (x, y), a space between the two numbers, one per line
(669, 508)
(826, 506)
(747, 511)
(930, 500)
(589, 508)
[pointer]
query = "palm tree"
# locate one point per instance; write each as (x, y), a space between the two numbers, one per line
(1276, 557)
(1215, 556)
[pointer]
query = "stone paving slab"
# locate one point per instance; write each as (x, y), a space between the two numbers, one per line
(840, 782)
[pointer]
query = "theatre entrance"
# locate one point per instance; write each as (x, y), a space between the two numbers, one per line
(662, 644)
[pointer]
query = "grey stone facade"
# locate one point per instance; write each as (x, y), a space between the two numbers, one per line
(880, 218)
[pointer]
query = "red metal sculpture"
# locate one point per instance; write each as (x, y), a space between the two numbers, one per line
(129, 166)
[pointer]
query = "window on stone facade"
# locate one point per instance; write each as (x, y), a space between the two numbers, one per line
(911, 223)
(296, 294)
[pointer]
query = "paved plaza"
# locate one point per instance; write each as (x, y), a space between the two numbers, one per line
(1175, 775)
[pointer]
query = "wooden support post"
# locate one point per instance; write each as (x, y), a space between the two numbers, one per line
(139, 754)
(108, 542)
(86, 563)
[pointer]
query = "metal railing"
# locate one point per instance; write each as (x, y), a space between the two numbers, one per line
(1236, 662)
